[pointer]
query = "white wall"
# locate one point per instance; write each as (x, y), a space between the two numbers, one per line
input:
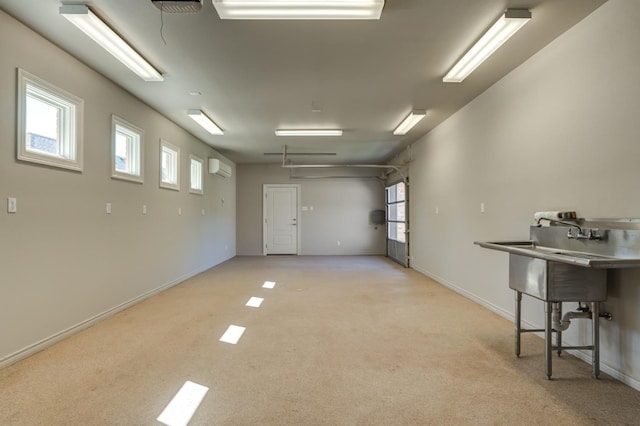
(63, 261)
(560, 132)
(341, 210)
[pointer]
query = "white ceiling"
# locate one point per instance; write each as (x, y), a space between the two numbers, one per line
(257, 76)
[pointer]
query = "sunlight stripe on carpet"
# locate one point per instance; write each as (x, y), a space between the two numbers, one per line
(233, 334)
(255, 302)
(183, 405)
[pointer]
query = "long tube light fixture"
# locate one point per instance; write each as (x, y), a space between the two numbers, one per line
(410, 120)
(318, 132)
(508, 24)
(82, 17)
(299, 9)
(199, 117)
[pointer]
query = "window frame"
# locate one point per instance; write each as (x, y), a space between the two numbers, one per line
(120, 125)
(173, 185)
(194, 190)
(70, 135)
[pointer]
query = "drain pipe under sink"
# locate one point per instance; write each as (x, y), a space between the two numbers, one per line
(564, 323)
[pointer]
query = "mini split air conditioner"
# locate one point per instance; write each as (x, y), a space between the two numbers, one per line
(217, 167)
(178, 6)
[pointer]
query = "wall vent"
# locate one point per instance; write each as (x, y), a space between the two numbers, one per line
(178, 6)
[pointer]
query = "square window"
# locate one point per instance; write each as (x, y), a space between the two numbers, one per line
(169, 166)
(50, 124)
(197, 165)
(127, 161)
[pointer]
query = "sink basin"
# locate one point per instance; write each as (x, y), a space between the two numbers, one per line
(555, 254)
(557, 281)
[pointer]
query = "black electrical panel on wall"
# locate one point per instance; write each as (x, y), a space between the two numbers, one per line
(378, 217)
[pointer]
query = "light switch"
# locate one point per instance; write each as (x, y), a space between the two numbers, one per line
(179, 211)
(144, 209)
(108, 208)
(12, 205)
(481, 207)
(202, 212)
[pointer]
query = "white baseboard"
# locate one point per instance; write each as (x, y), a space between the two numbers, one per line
(583, 355)
(494, 308)
(48, 341)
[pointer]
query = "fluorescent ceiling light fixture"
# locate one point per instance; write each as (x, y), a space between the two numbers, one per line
(269, 284)
(334, 132)
(82, 17)
(255, 302)
(299, 9)
(411, 120)
(233, 334)
(200, 118)
(501, 31)
(183, 405)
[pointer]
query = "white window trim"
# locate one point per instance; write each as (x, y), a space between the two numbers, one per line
(116, 174)
(169, 185)
(193, 190)
(75, 128)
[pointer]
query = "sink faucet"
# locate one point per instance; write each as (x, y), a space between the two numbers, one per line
(561, 222)
(591, 234)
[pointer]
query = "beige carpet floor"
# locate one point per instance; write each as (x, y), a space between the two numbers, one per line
(338, 341)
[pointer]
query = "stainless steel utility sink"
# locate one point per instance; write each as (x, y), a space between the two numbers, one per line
(568, 263)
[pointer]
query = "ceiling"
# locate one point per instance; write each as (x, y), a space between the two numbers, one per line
(258, 76)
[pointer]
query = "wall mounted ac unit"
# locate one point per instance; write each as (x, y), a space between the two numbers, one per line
(219, 168)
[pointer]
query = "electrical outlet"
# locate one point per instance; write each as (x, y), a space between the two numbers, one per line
(108, 208)
(179, 211)
(481, 207)
(437, 210)
(12, 205)
(144, 209)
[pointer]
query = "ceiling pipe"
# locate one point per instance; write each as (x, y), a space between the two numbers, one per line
(326, 166)
(336, 177)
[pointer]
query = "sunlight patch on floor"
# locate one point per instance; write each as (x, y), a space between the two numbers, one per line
(269, 284)
(183, 405)
(233, 334)
(255, 302)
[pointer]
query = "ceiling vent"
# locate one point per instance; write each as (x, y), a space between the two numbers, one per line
(178, 6)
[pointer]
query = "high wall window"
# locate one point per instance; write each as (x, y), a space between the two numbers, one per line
(169, 166)
(197, 166)
(50, 123)
(396, 219)
(127, 161)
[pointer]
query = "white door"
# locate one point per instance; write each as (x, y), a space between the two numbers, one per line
(280, 219)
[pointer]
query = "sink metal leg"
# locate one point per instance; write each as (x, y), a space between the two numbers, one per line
(548, 347)
(559, 332)
(518, 321)
(595, 353)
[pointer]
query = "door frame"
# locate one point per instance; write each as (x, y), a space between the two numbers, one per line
(265, 189)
